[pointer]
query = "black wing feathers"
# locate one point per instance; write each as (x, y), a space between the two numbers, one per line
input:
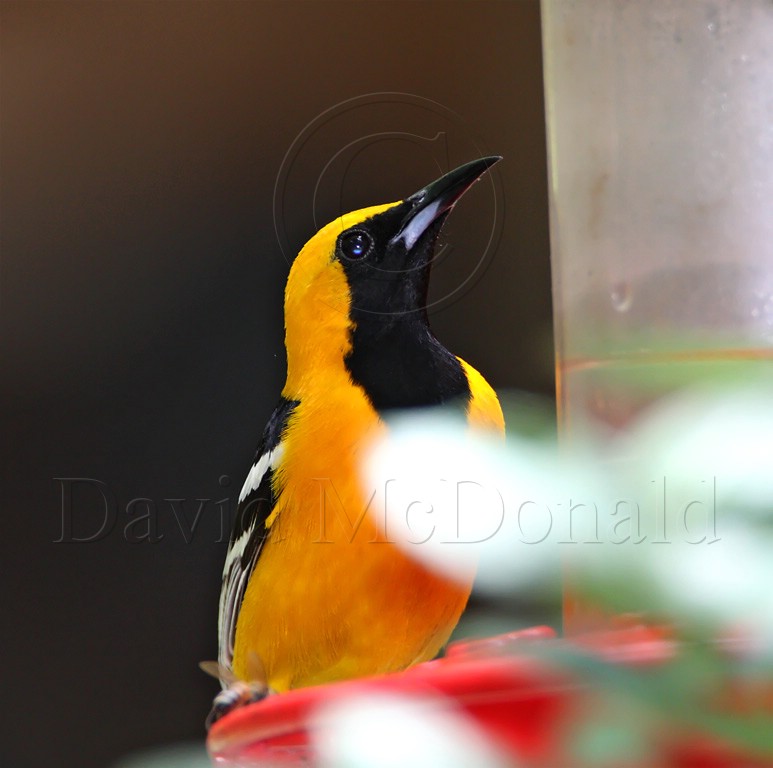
(249, 532)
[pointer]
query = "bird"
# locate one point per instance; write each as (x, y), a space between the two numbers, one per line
(310, 585)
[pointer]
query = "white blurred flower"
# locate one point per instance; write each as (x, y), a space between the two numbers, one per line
(454, 499)
(726, 434)
(708, 534)
(675, 513)
(728, 583)
(385, 730)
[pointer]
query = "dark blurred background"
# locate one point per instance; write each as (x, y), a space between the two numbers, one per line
(160, 162)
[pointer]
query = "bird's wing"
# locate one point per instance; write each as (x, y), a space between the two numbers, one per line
(256, 501)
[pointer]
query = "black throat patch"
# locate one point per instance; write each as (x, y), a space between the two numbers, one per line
(394, 356)
(400, 364)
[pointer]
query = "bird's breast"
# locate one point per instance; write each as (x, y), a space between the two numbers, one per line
(320, 487)
(331, 596)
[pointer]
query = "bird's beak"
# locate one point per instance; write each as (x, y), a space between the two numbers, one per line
(428, 204)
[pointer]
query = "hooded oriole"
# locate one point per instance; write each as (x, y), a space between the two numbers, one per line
(324, 599)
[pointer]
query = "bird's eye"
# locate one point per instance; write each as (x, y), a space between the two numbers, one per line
(355, 245)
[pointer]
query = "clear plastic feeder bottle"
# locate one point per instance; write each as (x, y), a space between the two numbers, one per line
(660, 141)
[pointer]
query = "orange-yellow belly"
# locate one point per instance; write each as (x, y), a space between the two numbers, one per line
(330, 611)
(330, 598)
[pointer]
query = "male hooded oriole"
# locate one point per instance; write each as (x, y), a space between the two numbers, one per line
(308, 587)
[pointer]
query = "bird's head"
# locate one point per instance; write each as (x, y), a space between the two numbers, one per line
(367, 269)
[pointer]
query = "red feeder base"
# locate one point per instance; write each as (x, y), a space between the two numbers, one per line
(523, 705)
